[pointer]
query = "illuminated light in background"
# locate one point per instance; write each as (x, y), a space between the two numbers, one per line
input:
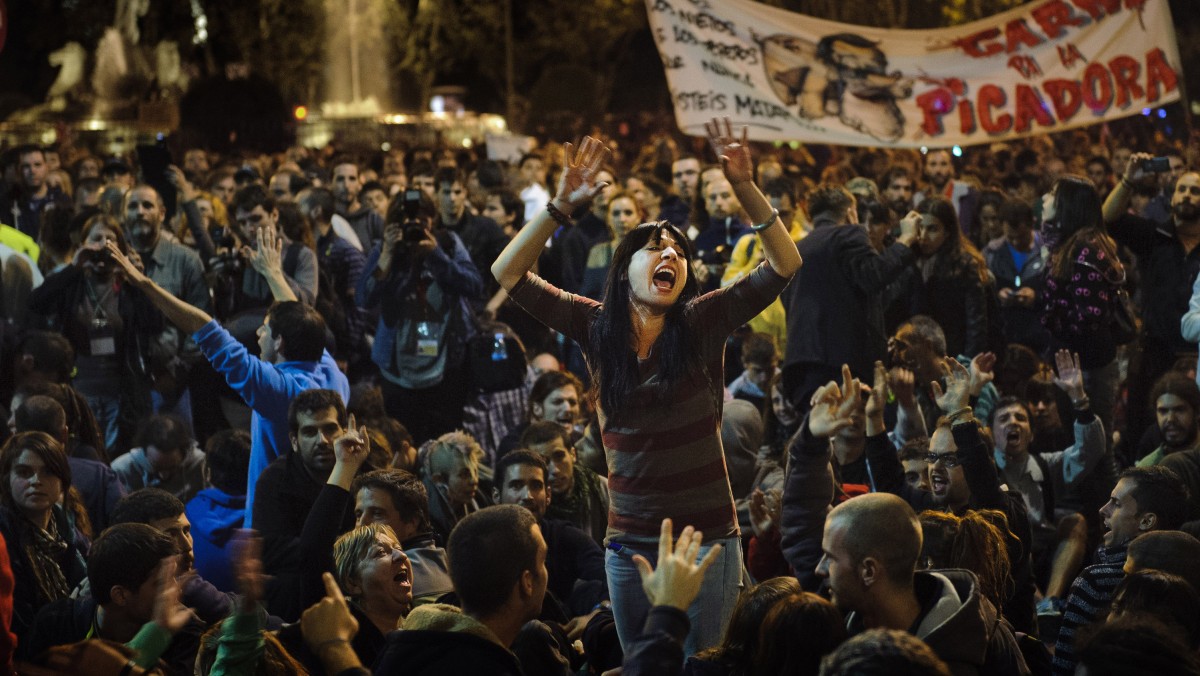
(1145, 111)
(924, 150)
(957, 151)
(300, 112)
(385, 146)
(201, 24)
(1162, 113)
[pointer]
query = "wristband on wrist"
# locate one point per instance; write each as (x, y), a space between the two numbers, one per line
(558, 216)
(1082, 402)
(767, 223)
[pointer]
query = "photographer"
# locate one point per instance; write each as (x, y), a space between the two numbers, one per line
(108, 322)
(423, 286)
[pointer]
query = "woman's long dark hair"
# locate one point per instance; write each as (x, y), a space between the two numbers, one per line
(737, 646)
(615, 363)
(52, 454)
(955, 245)
(1079, 219)
(798, 615)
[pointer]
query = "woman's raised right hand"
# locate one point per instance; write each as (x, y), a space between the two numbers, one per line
(577, 183)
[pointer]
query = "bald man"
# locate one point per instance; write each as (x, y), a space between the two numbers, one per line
(871, 544)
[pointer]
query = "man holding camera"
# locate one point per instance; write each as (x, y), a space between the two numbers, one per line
(1168, 262)
(423, 286)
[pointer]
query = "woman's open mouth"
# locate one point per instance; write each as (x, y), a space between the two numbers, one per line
(664, 279)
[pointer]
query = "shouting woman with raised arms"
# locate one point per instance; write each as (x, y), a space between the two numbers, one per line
(655, 349)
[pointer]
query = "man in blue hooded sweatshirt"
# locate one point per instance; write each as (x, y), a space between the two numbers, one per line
(291, 342)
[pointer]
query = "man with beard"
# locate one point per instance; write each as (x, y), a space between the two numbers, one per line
(177, 269)
(939, 177)
(685, 175)
(367, 224)
(897, 190)
(1168, 263)
(1059, 534)
(728, 223)
(1176, 403)
(290, 486)
(871, 545)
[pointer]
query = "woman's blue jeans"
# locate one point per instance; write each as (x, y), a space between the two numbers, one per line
(709, 613)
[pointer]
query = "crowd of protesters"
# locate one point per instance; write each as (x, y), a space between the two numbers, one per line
(702, 407)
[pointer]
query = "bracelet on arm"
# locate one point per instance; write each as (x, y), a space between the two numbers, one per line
(558, 216)
(1081, 403)
(767, 223)
(960, 415)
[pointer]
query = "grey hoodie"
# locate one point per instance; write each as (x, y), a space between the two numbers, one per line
(962, 627)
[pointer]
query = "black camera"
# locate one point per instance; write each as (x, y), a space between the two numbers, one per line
(414, 227)
(227, 261)
(89, 256)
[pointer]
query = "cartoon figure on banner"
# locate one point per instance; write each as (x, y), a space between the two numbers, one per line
(843, 75)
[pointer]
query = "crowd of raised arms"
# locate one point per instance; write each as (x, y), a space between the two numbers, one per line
(688, 406)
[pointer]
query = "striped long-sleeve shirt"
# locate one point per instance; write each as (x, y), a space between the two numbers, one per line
(664, 454)
(1089, 600)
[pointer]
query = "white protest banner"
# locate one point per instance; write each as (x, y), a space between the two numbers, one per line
(509, 148)
(1046, 66)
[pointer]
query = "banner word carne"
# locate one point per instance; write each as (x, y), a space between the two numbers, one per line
(1046, 66)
